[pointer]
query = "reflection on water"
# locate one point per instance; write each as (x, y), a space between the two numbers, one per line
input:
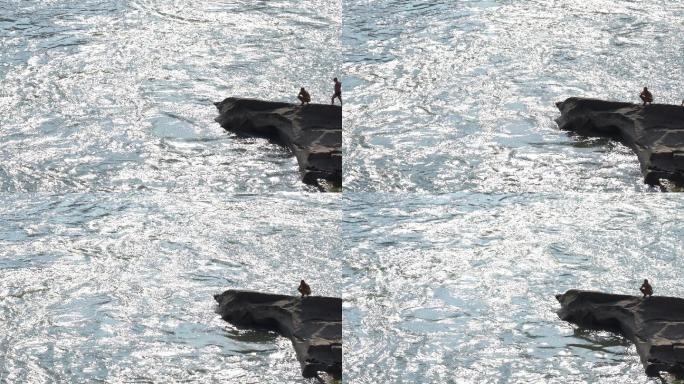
(119, 287)
(121, 214)
(465, 92)
(460, 288)
(110, 95)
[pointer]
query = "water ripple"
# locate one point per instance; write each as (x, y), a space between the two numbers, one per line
(89, 90)
(466, 91)
(118, 287)
(460, 288)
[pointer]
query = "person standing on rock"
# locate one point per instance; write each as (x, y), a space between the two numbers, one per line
(338, 92)
(304, 96)
(304, 288)
(646, 289)
(646, 96)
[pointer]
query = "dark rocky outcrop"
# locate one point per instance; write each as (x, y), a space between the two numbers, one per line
(313, 324)
(654, 132)
(312, 132)
(655, 325)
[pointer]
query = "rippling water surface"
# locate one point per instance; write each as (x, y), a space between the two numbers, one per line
(118, 287)
(125, 207)
(459, 95)
(460, 288)
(117, 95)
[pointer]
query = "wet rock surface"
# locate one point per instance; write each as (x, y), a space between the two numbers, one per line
(654, 132)
(655, 325)
(312, 132)
(313, 324)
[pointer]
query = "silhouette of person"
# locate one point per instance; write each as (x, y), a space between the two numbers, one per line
(646, 96)
(646, 289)
(304, 96)
(338, 92)
(304, 288)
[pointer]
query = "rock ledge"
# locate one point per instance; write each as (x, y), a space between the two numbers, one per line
(655, 325)
(654, 132)
(312, 132)
(313, 324)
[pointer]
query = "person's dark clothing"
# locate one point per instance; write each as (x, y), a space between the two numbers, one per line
(646, 289)
(304, 96)
(646, 96)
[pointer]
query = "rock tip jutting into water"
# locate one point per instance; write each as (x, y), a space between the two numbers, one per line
(312, 132)
(654, 132)
(655, 325)
(313, 324)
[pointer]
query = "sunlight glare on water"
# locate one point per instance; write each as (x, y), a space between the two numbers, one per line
(119, 287)
(460, 288)
(110, 95)
(125, 207)
(465, 91)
